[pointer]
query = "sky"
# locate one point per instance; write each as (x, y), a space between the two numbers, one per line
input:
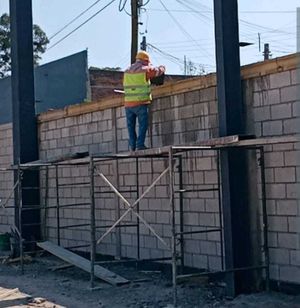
(177, 31)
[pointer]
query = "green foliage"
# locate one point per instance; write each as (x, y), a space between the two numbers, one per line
(40, 42)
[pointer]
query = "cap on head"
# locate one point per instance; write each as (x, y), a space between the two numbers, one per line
(143, 55)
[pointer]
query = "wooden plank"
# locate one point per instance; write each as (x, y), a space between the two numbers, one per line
(82, 263)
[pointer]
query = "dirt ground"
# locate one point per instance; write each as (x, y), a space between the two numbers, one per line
(148, 289)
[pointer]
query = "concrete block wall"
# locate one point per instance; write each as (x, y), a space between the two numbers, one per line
(275, 107)
(184, 117)
(181, 113)
(6, 177)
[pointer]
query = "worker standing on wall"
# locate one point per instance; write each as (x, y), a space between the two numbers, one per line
(137, 88)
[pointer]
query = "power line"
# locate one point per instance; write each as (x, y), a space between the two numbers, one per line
(74, 19)
(183, 30)
(82, 24)
(209, 11)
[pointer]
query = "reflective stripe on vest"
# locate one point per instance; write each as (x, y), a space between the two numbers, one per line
(136, 87)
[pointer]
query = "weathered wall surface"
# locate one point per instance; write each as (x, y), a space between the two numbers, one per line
(6, 177)
(181, 113)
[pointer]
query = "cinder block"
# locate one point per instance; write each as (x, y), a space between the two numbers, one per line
(208, 94)
(295, 76)
(210, 177)
(208, 248)
(291, 126)
(271, 97)
(294, 224)
(292, 191)
(289, 94)
(285, 175)
(279, 80)
(214, 263)
(288, 240)
(199, 261)
(186, 111)
(272, 128)
(295, 257)
(281, 111)
(275, 191)
(192, 97)
(278, 223)
(274, 159)
(262, 113)
(207, 219)
(279, 256)
(201, 109)
(289, 273)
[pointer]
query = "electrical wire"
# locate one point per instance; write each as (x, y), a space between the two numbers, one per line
(82, 24)
(207, 54)
(74, 19)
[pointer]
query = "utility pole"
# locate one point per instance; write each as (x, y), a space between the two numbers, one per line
(185, 70)
(266, 52)
(134, 29)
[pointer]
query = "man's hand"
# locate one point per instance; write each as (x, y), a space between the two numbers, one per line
(162, 68)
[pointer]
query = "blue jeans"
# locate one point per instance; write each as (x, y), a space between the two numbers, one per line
(141, 113)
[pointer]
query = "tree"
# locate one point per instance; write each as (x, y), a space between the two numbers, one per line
(40, 42)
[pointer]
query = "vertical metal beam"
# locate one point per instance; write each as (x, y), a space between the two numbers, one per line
(25, 141)
(234, 173)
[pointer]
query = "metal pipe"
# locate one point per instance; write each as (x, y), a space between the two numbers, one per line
(181, 190)
(46, 203)
(173, 226)
(20, 206)
(133, 260)
(92, 213)
(137, 207)
(265, 216)
(197, 232)
(57, 206)
(238, 269)
(220, 208)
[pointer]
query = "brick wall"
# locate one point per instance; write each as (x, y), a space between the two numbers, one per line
(181, 113)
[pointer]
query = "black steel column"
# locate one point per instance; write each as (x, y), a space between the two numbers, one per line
(25, 145)
(233, 162)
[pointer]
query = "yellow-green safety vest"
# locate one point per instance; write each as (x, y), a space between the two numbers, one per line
(136, 87)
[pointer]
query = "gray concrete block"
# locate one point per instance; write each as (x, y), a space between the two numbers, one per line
(285, 175)
(281, 111)
(289, 274)
(262, 113)
(272, 128)
(288, 240)
(278, 223)
(289, 94)
(280, 80)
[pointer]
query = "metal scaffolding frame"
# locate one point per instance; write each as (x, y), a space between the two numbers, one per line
(171, 154)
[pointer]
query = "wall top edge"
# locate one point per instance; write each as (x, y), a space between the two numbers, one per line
(254, 70)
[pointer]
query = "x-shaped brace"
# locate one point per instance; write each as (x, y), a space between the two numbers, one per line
(131, 207)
